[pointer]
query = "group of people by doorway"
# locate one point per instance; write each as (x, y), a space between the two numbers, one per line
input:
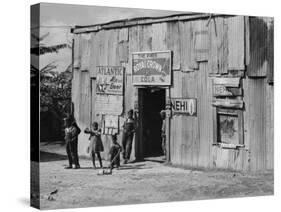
(95, 146)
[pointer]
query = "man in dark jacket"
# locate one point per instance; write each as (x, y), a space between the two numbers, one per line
(71, 138)
(128, 135)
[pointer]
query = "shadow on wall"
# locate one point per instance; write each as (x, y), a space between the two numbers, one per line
(261, 48)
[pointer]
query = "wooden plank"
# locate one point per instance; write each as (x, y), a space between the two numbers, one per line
(168, 125)
(131, 95)
(176, 123)
(85, 54)
(123, 35)
(77, 50)
(222, 45)
(201, 40)
(247, 40)
(190, 124)
(75, 94)
(236, 44)
(93, 100)
(123, 51)
(159, 35)
(227, 81)
(213, 52)
(188, 62)
(205, 121)
(94, 54)
(145, 38)
(228, 103)
(112, 48)
(270, 52)
(173, 43)
(215, 126)
(255, 122)
(269, 105)
(241, 127)
(85, 92)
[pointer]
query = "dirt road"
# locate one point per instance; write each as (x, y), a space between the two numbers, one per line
(142, 182)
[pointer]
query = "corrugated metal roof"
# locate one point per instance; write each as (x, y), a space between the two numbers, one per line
(141, 21)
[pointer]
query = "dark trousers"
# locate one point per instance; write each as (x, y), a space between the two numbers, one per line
(72, 153)
(127, 140)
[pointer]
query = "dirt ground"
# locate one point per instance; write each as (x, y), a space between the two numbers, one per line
(141, 182)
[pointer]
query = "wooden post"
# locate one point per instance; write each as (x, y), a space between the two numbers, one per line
(168, 118)
(136, 142)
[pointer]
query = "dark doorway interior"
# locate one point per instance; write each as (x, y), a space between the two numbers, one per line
(153, 101)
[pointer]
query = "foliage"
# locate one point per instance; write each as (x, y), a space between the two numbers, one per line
(55, 90)
(55, 87)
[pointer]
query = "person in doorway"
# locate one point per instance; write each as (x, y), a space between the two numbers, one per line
(163, 131)
(114, 152)
(95, 144)
(128, 135)
(71, 138)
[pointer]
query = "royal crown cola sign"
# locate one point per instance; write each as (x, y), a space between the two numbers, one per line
(151, 68)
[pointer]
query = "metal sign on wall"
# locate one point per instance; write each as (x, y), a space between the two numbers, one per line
(110, 80)
(184, 106)
(151, 68)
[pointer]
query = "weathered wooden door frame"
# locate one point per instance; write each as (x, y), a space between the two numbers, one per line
(139, 110)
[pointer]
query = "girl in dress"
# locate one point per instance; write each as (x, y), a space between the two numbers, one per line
(95, 144)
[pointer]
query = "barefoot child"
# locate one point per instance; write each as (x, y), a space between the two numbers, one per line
(115, 152)
(95, 145)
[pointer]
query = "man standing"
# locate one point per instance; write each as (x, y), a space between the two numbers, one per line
(163, 131)
(128, 135)
(71, 138)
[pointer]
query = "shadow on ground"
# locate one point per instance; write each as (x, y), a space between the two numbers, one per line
(48, 157)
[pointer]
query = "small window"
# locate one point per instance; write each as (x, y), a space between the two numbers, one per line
(229, 129)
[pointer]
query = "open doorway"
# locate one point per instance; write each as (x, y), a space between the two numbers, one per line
(152, 101)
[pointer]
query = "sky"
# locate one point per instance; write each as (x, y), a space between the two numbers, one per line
(57, 19)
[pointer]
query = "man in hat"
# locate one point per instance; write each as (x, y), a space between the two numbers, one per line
(71, 139)
(128, 135)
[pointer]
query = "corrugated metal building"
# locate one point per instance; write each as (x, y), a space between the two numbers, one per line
(212, 73)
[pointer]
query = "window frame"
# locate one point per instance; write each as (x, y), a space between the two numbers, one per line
(233, 112)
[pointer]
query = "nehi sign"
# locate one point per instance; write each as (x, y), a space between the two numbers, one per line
(110, 80)
(184, 106)
(151, 68)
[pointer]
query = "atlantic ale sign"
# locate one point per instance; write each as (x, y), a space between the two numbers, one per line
(151, 68)
(110, 80)
(184, 106)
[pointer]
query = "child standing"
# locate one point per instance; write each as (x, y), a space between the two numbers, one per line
(95, 145)
(115, 153)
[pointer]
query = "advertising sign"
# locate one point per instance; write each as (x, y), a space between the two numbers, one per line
(151, 68)
(110, 80)
(184, 106)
